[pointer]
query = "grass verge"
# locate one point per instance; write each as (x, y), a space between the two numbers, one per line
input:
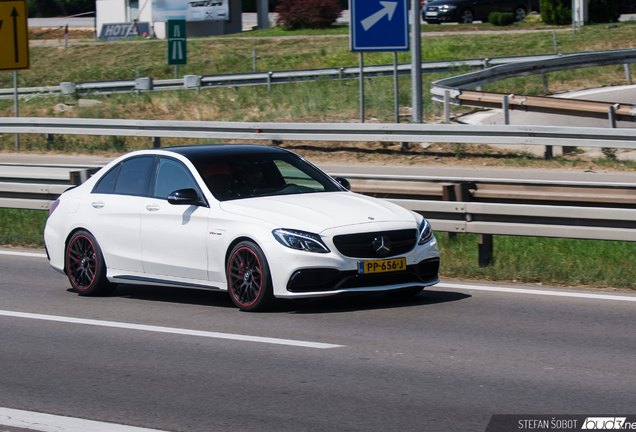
(547, 261)
(22, 227)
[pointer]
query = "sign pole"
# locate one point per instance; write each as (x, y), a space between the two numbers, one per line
(416, 62)
(15, 106)
(395, 88)
(361, 89)
(378, 26)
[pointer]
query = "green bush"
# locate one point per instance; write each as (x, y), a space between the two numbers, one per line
(493, 18)
(506, 19)
(501, 19)
(558, 12)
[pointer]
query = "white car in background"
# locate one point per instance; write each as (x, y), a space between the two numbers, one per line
(260, 222)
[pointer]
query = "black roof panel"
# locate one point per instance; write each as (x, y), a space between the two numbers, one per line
(197, 152)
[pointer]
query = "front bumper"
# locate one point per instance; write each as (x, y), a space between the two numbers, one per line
(326, 280)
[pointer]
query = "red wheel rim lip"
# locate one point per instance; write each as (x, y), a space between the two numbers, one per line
(68, 263)
(229, 279)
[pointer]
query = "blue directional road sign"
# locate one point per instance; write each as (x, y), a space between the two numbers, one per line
(379, 25)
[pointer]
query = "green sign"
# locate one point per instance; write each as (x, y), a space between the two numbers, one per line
(177, 42)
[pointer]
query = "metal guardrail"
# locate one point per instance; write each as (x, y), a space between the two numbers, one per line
(532, 67)
(544, 104)
(455, 89)
(493, 190)
(35, 187)
(598, 210)
(359, 132)
(487, 207)
(257, 78)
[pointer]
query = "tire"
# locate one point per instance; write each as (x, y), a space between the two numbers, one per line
(466, 16)
(248, 278)
(85, 266)
(520, 14)
(404, 294)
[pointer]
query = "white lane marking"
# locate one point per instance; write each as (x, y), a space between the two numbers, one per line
(537, 292)
(24, 254)
(53, 423)
(170, 330)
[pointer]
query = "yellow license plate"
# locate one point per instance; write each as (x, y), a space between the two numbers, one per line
(382, 266)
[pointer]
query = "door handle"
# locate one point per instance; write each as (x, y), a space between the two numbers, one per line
(97, 204)
(152, 207)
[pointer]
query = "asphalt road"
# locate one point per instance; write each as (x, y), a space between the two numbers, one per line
(445, 361)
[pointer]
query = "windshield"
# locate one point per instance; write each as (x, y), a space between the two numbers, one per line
(245, 176)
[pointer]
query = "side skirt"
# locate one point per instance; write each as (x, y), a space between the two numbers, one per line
(151, 281)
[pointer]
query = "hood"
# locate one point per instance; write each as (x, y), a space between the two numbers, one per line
(316, 212)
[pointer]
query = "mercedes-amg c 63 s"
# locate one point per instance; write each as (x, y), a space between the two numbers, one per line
(259, 222)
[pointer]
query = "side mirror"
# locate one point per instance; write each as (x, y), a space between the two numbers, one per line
(343, 182)
(184, 197)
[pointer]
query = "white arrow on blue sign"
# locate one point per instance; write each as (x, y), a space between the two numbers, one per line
(379, 25)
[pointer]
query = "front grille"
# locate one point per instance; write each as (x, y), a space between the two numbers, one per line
(361, 245)
(431, 9)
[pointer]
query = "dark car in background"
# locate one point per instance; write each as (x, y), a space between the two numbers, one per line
(467, 11)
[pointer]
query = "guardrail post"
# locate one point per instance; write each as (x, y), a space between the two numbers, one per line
(49, 140)
(269, 80)
(340, 72)
(548, 152)
(505, 106)
(253, 60)
(447, 106)
(143, 84)
(67, 88)
(611, 114)
(448, 194)
(192, 82)
(628, 74)
(485, 65)
(556, 48)
(485, 250)
(156, 142)
(544, 82)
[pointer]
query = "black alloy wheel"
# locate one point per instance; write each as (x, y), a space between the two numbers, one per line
(466, 16)
(248, 277)
(520, 14)
(85, 266)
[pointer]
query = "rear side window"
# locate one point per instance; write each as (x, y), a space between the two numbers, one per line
(128, 178)
(107, 183)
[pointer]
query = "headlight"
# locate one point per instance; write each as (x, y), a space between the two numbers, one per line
(445, 8)
(300, 240)
(426, 233)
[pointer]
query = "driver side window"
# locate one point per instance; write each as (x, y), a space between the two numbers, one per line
(172, 176)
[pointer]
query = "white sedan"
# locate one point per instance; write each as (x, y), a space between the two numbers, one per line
(260, 222)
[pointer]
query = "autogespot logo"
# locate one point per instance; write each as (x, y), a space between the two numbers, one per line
(607, 423)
